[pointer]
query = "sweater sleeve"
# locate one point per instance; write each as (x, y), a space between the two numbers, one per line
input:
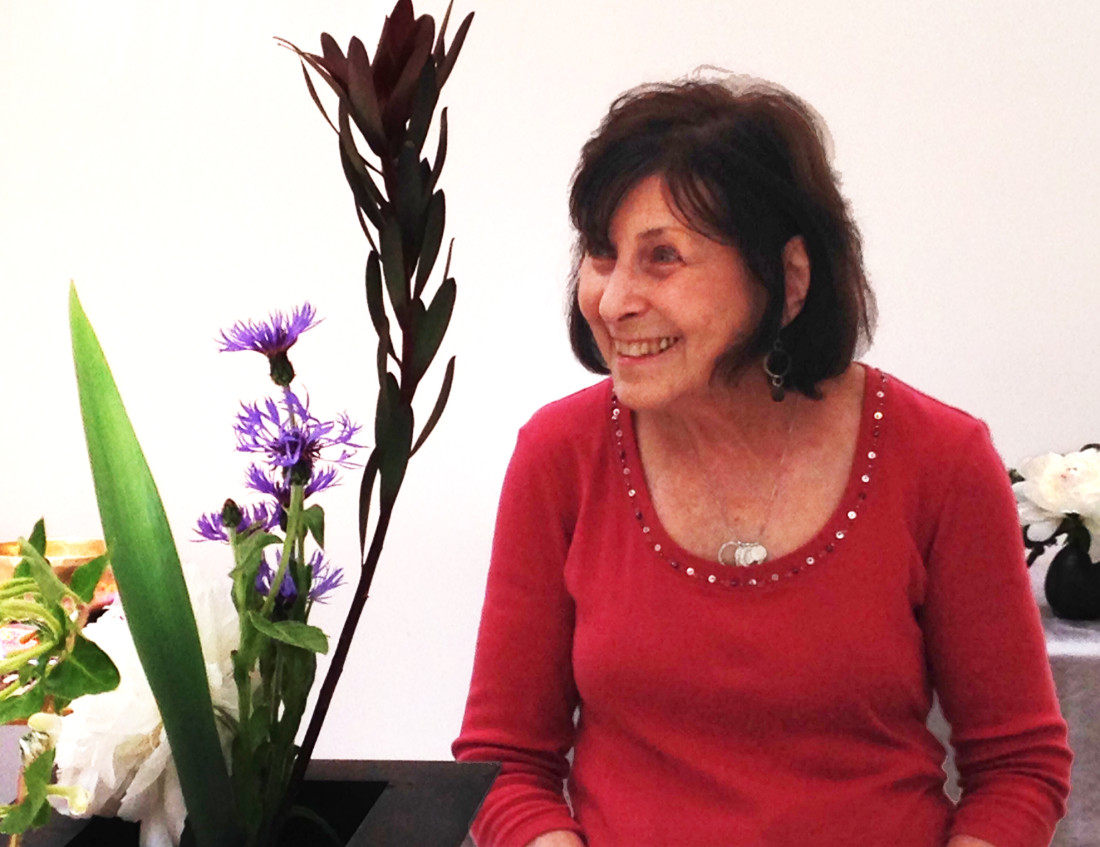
(988, 660)
(522, 695)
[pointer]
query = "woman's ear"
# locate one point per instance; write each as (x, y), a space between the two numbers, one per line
(796, 274)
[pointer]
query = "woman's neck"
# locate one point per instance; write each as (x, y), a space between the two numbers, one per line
(741, 418)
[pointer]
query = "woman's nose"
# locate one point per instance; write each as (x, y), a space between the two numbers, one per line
(622, 295)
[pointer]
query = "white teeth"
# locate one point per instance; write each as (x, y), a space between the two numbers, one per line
(648, 347)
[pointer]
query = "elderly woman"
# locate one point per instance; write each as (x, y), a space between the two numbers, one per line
(730, 577)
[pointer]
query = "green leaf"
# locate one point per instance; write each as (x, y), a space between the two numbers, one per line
(150, 581)
(86, 670)
(52, 588)
(440, 405)
(299, 668)
(21, 707)
(294, 633)
(36, 778)
(45, 812)
(22, 570)
(314, 519)
(38, 536)
(247, 553)
(87, 576)
(433, 238)
(432, 328)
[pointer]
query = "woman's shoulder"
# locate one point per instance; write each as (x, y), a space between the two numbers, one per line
(925, 420)
(577, 415)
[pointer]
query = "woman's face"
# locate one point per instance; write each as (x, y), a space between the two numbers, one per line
(666, 302)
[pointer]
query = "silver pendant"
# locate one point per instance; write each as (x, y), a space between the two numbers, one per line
(742, 554)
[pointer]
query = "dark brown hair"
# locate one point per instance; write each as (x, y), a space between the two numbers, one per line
(746, 164)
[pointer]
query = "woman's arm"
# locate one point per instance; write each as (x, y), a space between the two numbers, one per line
(987, 656)
(522, 696)
(562, 838)
(967, 841)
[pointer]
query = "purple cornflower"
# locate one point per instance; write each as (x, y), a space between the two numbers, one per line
(296, 439)
(272, 337)
(211, 526)
(275, 486)
(324, 578)
(275, 335)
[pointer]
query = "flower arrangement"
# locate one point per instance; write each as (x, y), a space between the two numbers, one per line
(1058, 499)
(223, 683)
(52, 665)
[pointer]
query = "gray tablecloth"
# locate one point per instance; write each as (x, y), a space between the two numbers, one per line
(1074, 650)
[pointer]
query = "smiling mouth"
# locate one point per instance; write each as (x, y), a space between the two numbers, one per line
(645, 347)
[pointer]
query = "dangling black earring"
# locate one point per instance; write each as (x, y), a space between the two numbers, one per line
(777, 365)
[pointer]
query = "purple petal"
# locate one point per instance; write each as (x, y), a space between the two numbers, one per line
(275, 335)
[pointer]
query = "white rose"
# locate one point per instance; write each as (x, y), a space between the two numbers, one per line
(1060, 485)
(113, 745)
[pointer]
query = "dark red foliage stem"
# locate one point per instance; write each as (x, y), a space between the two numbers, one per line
(343, 647)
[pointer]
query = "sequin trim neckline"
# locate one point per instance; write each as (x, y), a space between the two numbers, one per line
(810, 556)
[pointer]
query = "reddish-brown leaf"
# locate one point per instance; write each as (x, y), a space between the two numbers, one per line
(456, 45)
(364, 100)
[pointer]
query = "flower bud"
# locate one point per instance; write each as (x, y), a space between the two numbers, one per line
(282, 372)
(46, 723)
(231, 515)
(300, 472)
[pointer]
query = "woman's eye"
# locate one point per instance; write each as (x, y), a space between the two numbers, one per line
(664, 254)
(602, 260)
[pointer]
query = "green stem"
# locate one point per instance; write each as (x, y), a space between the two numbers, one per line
(293, 529)
(11, 689)
(14, 661)
(17, 587)
(29, 611)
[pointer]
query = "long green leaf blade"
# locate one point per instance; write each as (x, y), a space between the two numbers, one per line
(152, 588)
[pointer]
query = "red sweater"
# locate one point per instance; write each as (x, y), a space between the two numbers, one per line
(782, 704)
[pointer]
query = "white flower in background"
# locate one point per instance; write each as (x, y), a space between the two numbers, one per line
(1055, 486)
(113, 745)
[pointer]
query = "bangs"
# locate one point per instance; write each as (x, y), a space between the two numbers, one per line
(596, 199)
(696, 205)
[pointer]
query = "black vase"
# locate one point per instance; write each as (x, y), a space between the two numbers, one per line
(1072, 585)
(368, 803)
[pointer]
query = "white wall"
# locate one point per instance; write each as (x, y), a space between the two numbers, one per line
(167, 157)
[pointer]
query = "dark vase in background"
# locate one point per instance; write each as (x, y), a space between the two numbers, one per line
(1072, 585)
(368, 803)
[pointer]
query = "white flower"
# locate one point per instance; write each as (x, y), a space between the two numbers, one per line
(1061, 485)
(113, 745)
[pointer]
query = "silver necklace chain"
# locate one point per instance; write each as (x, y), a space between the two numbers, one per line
(742, 553)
